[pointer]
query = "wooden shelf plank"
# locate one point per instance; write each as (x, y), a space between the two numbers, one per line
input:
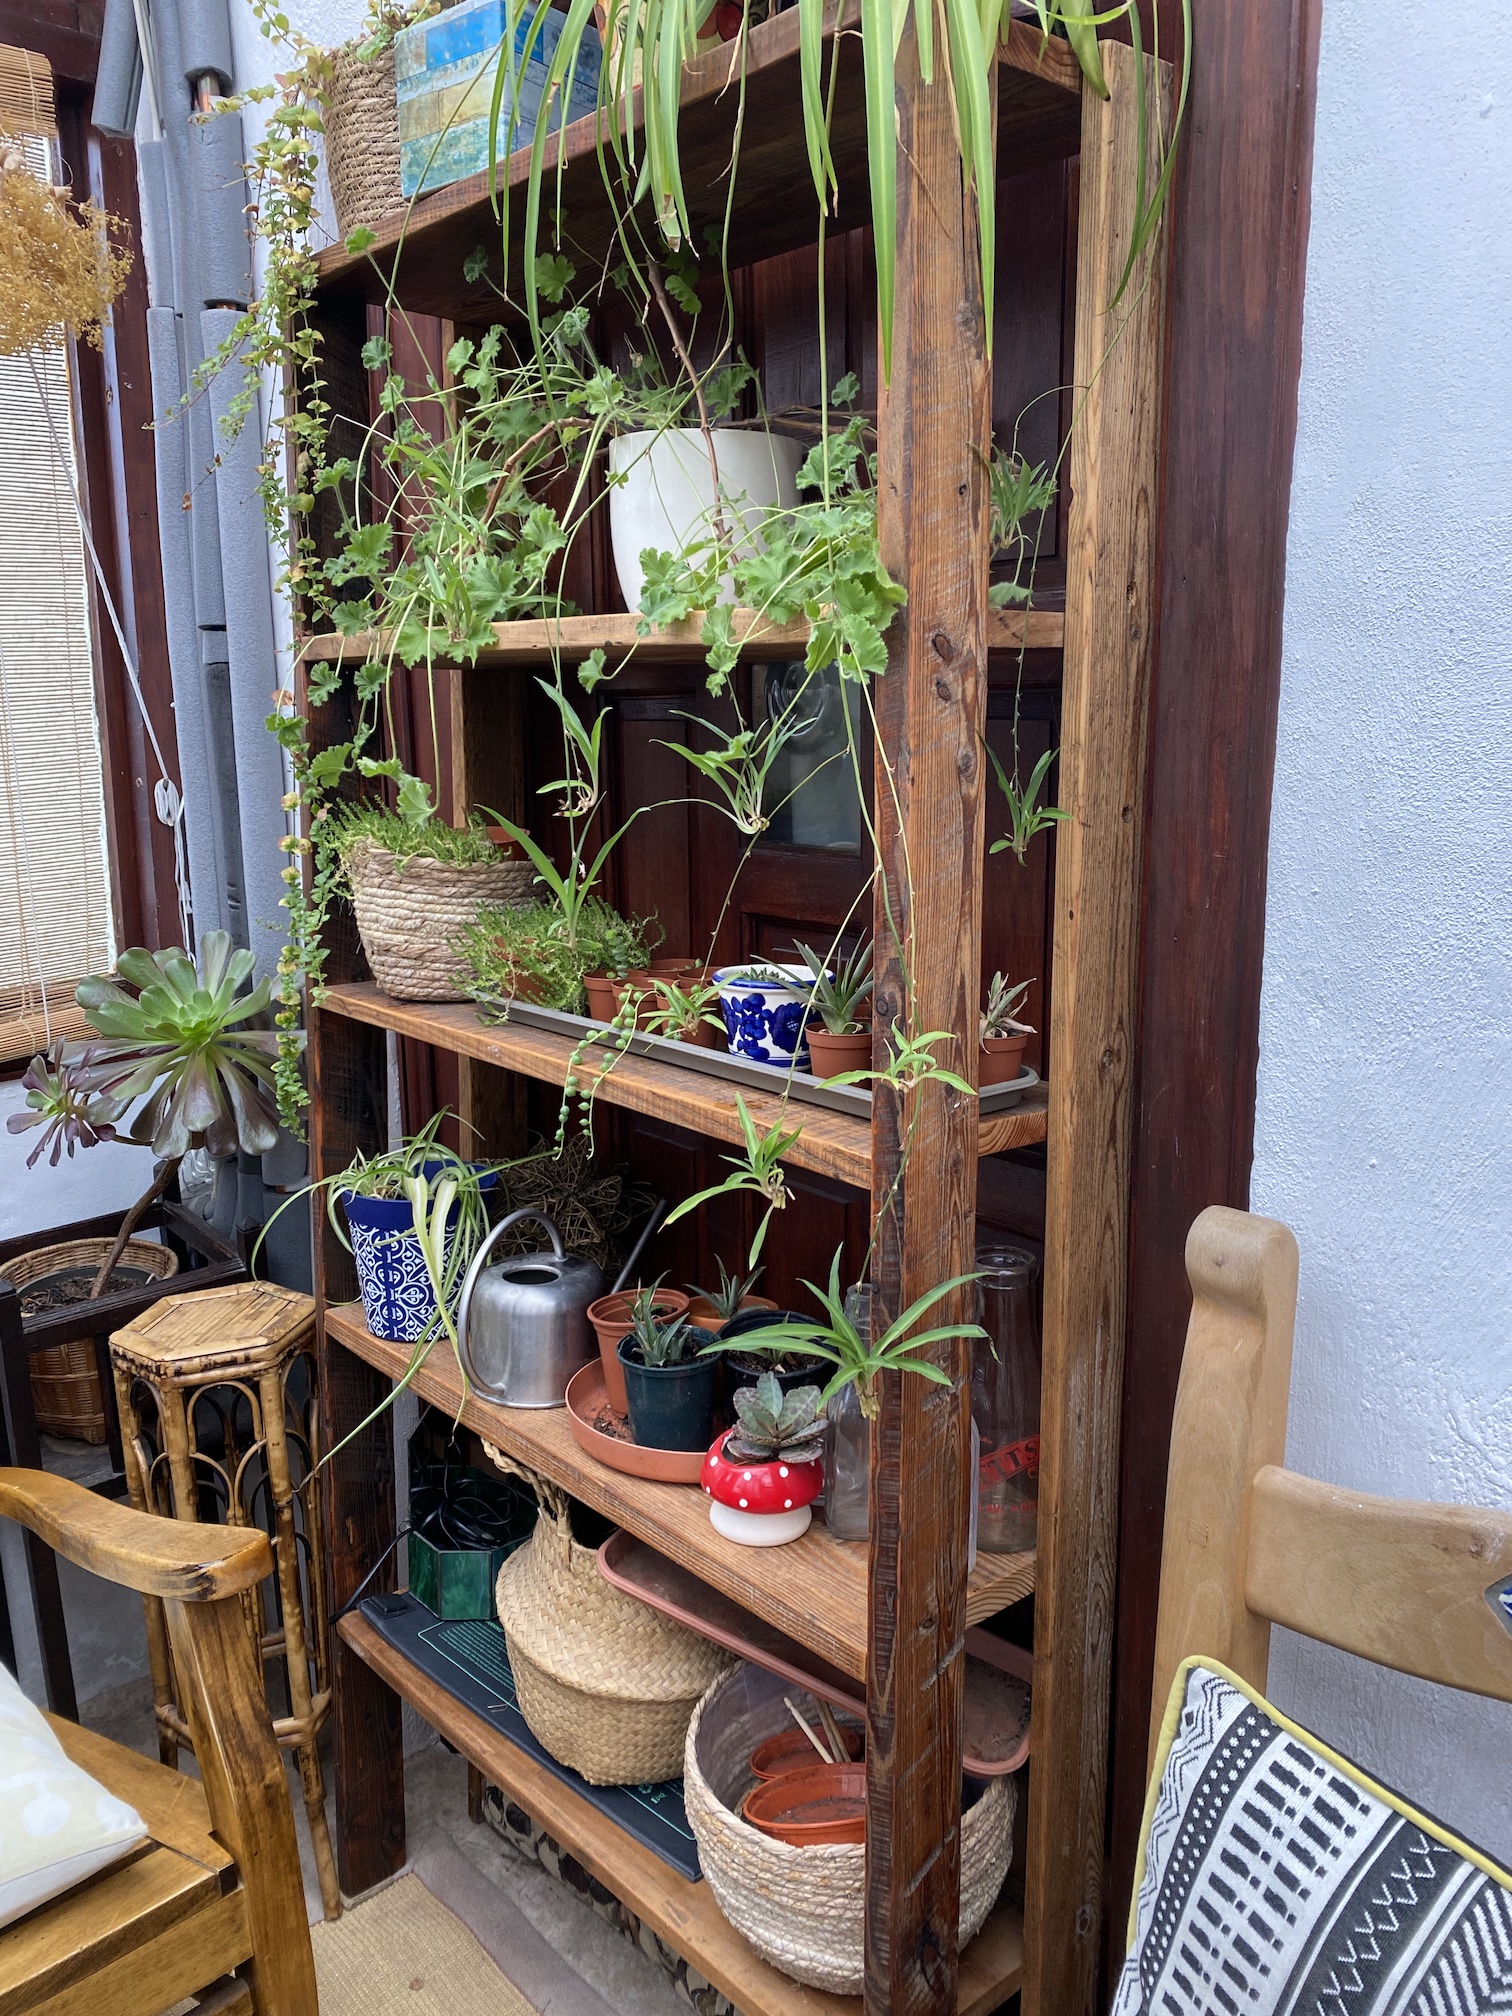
(837, 1145)
(683, 1913)
(814, 1589)
(573, 637)
(773, 206)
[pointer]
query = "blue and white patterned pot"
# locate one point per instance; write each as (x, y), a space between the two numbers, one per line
(766, 1019)
(397, 1300)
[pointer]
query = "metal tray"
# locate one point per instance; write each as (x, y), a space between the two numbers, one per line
(853, 1099)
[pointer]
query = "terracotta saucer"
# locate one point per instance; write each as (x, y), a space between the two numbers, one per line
(600, 1432)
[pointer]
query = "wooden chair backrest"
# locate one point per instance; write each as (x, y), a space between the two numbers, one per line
(1422, 1588)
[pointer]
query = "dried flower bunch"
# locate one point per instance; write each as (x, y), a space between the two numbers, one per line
(59, 270)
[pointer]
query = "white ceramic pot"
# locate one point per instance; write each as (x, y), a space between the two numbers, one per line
(666, 499)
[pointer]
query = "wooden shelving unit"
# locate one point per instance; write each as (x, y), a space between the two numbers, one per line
(684, 1913)
(814, 1590)
(893, 1613)
(832, 1144)
(574, 637)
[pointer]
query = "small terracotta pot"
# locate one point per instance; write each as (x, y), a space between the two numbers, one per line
(830, 1055)
(600, 990)
(1002, 1059)
(824, 1806)
(529, 987)
(636, 982)
(504, 843)
(677, 969)
(704, 1316)
(610, 1317)
(791, 1750)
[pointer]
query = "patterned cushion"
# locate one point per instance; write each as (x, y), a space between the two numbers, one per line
(57, 1824)
(1275, 1879)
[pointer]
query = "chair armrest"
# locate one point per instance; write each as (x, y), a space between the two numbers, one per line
(157, 1557)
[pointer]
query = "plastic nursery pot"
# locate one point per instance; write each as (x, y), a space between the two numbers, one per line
(830, 1055)
(600, 991)
(791, 1750)
(1002, 1059)
(670, 1406)
(609, 1316)
(759, 1504)
(745, 1368)
(822, 1807)
(703, 1314)
(397, 1301)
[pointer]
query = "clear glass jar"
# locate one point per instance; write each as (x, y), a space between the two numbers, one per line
(1005, 1397)
(847, 1447)
(847, 1450)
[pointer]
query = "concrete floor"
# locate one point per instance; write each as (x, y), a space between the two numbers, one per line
(550, 1943)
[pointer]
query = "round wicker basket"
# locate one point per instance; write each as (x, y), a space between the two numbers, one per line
(65, 1378)
(803, 1908)
(606, 1684)
(409, 912)
(361, 123)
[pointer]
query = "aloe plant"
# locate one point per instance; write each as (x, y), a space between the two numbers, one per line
(182, 1045)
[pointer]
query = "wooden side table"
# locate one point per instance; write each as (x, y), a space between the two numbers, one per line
(231, 1377)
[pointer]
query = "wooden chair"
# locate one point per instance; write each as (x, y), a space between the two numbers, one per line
(212, 1906)
(1421, 1588)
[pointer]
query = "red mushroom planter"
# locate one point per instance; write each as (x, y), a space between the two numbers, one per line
(759, 1504)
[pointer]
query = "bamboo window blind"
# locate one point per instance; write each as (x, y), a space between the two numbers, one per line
(55, 912)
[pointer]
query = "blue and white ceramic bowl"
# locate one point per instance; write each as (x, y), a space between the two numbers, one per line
(766, 1019)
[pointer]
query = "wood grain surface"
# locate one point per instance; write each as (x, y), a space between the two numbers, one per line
(1110, 589)
(934, 430)
(156, 1557)
(683, 1913)
(813, 1589)
(833, 1144)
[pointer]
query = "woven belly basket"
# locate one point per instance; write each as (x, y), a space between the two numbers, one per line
(408, 913)
(604, 1683)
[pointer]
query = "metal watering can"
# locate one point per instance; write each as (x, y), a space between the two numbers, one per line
(530, 1331)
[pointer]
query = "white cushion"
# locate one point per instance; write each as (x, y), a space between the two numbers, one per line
(57, 1824)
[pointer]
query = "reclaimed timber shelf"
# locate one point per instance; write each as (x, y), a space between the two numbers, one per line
(427, 244)
(683, 1913)
(574, 637)
(814, 1589)
(837, 1145)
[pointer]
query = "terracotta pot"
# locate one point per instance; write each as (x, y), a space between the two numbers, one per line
(1002, 1059)
(759, 1504)
(823, 1806)
(791, 1750)
(678, 969)
(600, 991)
(704, 1316)
(638, 983)
(830, 1055)
(610, 1317)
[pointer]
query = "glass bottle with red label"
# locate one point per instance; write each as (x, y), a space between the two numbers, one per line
(1005, 1397)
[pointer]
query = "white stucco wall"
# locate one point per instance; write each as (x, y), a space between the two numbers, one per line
(1384, 1133)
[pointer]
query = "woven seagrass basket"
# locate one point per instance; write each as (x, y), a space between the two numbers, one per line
(803, 1908)
(361, 121)
(606, 1684)
(409, 912)
(65, 1379)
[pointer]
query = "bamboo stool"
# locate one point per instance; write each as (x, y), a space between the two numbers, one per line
(229, 1353)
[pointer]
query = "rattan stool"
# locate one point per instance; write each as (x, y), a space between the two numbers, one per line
(231, 1377)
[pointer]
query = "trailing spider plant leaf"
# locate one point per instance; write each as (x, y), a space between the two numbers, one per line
(1026, 816)
(758, 1169)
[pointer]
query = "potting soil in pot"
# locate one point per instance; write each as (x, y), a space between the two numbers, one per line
(72, 1285)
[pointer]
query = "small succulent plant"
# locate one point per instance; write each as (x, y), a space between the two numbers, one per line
(837, 996)
(662, 1340)
(777, 1427)
(731, 1292)
(997, 1016)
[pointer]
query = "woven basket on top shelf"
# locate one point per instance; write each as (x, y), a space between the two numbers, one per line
(65, 1379)
(605, 1683)
(803, 1909)
(408, 913)
(361, 121)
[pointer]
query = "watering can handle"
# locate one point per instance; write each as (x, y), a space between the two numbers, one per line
(464, 1310)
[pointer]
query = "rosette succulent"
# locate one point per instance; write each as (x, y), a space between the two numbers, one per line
(776, 1427)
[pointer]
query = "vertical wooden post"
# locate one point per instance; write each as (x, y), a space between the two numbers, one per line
(1110, 582)
(935, 429)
